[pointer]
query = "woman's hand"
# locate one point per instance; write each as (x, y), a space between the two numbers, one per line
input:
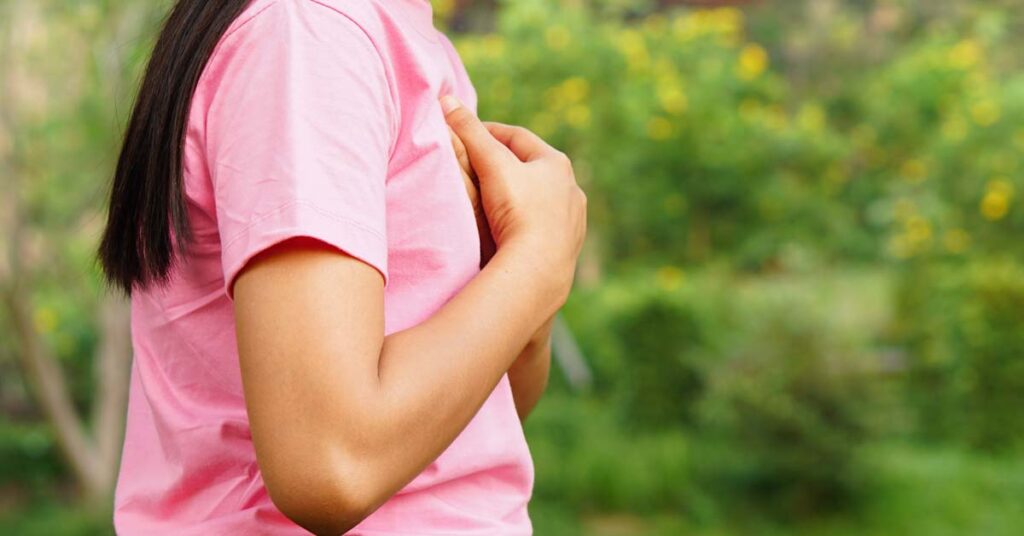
(487, 247)
(528, 192)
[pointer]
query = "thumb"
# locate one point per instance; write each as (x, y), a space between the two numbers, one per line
(486, 153)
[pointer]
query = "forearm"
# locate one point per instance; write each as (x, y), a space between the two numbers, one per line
(529, 374)
(434, 377)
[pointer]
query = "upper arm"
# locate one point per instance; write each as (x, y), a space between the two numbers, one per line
(309, 320)
(298, 135)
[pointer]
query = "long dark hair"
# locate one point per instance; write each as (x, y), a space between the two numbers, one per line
(147, 200)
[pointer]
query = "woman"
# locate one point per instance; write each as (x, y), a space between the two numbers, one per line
(316, 344)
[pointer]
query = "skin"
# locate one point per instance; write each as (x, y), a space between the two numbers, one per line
(342, 416)
(528, 376)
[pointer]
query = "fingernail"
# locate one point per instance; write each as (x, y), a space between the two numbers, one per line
(449, 103)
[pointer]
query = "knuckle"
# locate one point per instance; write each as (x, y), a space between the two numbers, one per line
(518, 134)
(562, 160)
(520, 131)
(460, 119)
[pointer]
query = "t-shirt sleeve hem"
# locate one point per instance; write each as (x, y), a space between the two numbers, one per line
(303, 219)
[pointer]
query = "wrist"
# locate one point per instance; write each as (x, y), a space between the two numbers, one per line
(547, 279)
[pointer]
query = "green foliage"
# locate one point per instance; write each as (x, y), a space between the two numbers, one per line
(773, 388)
(27, 454)
(698, 142)
(49, 519)
(964, 328)
(582, 458)
(651, 341)
(677, 125)
(785, 417)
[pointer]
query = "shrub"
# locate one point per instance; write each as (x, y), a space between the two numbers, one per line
(652, 339)
(963, 327)
(785, 415)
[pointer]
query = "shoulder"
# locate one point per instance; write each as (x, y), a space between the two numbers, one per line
(282, 59)
(302, 33)
(275, 38)
(320, 19)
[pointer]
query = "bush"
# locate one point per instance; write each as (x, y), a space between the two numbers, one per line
(774, 391)
(583, 458)
(963, 327)
(652, 339)
(786, 414)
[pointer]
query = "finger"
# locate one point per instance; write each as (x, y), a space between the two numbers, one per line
(486, 154)
(461, 155)
(524, 144)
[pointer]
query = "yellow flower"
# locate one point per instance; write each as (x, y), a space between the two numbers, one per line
(557, 37)
(994, 206)
(753, 62)
(684, 28)
(729, 20)
(493, 45)
(1000, 184)
(812, 117)
(575, 89)
(965, 54)
(659, 128)
(45, 320)
(669, 278)
(672, 99)
(914, 170)
(956, 240)
(570, 92)
(919, 230)
(996, 202)
(985, 112)
(632, 45)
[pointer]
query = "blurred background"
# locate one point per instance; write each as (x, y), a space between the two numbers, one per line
(801, 305)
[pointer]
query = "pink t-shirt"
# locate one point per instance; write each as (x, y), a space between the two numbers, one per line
(313, 118)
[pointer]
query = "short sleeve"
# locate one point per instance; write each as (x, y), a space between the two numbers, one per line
(298, 134)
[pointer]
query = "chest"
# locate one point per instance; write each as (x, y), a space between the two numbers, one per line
(433, 242)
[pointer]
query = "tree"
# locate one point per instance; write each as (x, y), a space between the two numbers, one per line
(57, 83)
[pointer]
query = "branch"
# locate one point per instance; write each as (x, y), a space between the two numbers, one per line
(46, 378)
(113, 365)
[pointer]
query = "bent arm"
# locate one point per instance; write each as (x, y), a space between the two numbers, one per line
(343, 417)
(528, 375)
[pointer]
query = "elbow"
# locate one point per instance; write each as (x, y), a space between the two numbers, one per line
(323, 497)
(321, 516)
